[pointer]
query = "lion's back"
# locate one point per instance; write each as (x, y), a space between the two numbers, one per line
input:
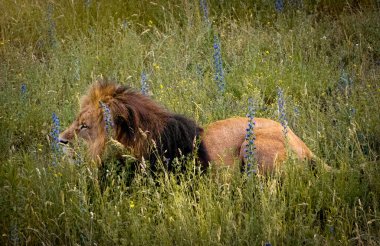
(179, 137)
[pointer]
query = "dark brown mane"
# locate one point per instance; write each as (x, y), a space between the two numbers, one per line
(139, 123)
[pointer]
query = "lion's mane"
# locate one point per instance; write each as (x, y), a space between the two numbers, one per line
(144, 127)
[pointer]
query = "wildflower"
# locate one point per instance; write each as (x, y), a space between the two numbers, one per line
(39, 147)
(218, 62)
(57, 174)
(351, 112)
(107, 117)
(55, 138)
(55, 131)
(144, 84)
(156, 66)
(87, 3)
(124, 25)
(131, 204)
(279, 5)
(15, 233)
(76, 69)
(91, 30)
(345, 84)
(51, 26)
(296, 112)
(281, 111)
(203, 4)
(332, 229)
(250, 138)
(23, 89)
(345, 80)
(23, 92)
(199, 71)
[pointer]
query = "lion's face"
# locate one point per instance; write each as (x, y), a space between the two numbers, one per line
(87, 127)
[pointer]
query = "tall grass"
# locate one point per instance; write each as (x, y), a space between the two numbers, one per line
(324, 56)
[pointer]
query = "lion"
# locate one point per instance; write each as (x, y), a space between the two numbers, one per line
(141, 125)
(150, 131)
(225, 143)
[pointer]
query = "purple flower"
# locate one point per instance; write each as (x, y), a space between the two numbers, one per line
(125, 25)
(345, 80)
(23, 89)
(51, 26)
(203, 4)
(54, 134)
(281, 111)
(144, 84)
(218, 62)
(296, 112)
(107, 117)
(279, 5)
(250, 137)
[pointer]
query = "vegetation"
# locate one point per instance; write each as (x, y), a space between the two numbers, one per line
(203, 59)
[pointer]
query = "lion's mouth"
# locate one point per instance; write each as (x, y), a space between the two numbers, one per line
(69, 154)
(74, 153)
(68, 151)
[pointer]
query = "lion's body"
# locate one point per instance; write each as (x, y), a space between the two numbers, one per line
(225, 142)
(179, 137)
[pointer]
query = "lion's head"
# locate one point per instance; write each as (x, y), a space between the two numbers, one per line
(134, 118)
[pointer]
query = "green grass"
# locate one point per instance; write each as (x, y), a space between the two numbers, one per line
(312, 52)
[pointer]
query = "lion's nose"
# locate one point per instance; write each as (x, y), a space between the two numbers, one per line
(63, 141)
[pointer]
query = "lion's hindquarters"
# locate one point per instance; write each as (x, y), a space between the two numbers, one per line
(270, 149)
(225, 142)
(298, 147)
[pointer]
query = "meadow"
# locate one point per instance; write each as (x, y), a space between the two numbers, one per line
(315, 64)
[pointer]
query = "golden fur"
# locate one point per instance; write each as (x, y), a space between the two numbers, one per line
(225, 142)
